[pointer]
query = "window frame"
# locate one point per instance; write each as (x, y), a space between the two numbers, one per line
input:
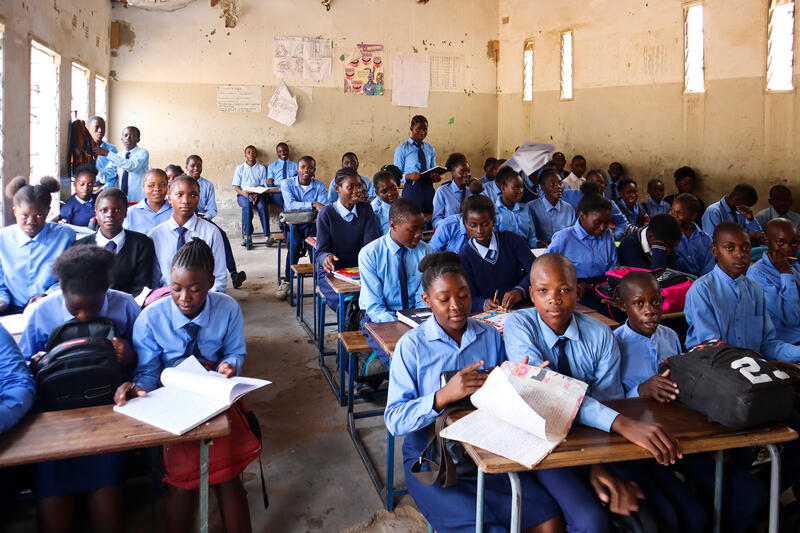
(767, 90)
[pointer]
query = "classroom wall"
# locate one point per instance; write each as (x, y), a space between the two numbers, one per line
(165, 75)
(629, 103)
(76, 29)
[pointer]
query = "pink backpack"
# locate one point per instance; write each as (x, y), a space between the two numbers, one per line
(674, 285)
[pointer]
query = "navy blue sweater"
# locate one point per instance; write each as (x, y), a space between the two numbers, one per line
(344, 239)
(510, 270)
(631, 254)
(76, 213)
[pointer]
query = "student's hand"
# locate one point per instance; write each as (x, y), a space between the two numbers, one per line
(621, 496)
(464, 383)
(270, 182)
(35, 298)
(227, 370)
(414, 176)
(62, 221)
(780, 261)
(125, 354)
(745, 211)
(318, 206)
(542, 244)
(540, 365)
(127, 391)
(435, 178)
(3, 306)
(489, 305)
(327, 265)
(756, 237)
(650, 436)
(511, 298)
(253, 198)
(659, 388)
(584, 289)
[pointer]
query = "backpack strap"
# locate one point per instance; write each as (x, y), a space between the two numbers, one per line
(73, 329)
(445, 470)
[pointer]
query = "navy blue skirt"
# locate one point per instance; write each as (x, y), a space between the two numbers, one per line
(79, 475)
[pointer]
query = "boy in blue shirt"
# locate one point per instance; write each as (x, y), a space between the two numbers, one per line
(694, 251)
(735, 207)
(16, 382)
(450, 235)
(414, 157)
(282, 168)
(448, 198)
(780, 201)
(106, 171)
(131, 166)
(550, 214)
(251, 173)
(655, 204)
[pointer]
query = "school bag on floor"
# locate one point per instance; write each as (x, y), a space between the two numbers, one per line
(674, 285)
(733, 386)
(79, 367)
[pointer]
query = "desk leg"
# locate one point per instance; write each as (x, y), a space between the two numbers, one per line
(479, 503)
(204, 485)
(248, 235)
(290, 258)
(774, 487)
(718, 492)
(389, 471)
(340, 347)
(516, 501)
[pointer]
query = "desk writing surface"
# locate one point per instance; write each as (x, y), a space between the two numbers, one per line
(387, 334)
(271, 190)
(340, 286)
(88, 431)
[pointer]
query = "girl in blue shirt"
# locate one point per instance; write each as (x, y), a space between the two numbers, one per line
(448, 198)
(449, 340)
(628, 203)
(387, 192)
(511, 212)
(78, 210)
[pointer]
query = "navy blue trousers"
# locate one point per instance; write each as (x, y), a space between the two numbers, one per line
(260, 207)
(301, 232)
(422, 192)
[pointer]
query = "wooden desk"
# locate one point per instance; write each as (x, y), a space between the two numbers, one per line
(93, 430)
(588, 311)
(342, 289)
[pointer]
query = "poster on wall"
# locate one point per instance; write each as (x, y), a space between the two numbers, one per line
(411, 79)
(302, 57)
(363, 73)
(239, 99)
(283, 106)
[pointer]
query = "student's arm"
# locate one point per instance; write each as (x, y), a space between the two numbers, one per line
(332, 194)
(371, 296)
(66, 212)
(324, 237)
(5, 295)
(611, 248)
(607, 384)
(417, 296)
(137, 161)
(322, 196)
(438, 207)
(220, 269)
(711, 218)
(399, 162)
(440, 237)
(619, 220)
(210, 202)
(774, 349)
(660, 255)
(34, 338)
(16, 383)
(478, 302)
(526, 258)
(752, 225)
(107, 174)
(149, 366)
(66, 239)
(233, 346)
(237, 182)
(700, 316)
(407, 408)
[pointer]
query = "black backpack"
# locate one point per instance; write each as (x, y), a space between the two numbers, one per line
(733, 386)
(79, 367)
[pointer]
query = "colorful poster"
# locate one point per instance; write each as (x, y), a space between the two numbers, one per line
(363, 73)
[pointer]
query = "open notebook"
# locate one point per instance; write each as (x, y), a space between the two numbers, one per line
(523, 413)
(190, 396)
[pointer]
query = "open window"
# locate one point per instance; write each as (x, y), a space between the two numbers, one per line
(694, 62)
(100, 97)
(45, 65)
(80, 92)
(780, 46)
(527, 71)
(566, 65)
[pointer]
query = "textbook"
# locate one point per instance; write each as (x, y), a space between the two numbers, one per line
(256, 190)
(348, 274)
(496, 318)
(538, 252)
(414, 317)
(15, 324)
(190, 396)
(523, 413)
(434, 170)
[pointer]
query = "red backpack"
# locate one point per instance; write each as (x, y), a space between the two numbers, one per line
(674, 285)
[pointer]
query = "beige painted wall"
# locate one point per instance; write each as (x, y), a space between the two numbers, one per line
(628, 101)
(165, 82)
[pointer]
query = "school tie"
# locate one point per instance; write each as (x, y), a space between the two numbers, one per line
(423, 164)
(124, 181)
(463, 195)
(490, 255)
(111, 246)
(181, 237)
(191, 347)
(284, 170)
(560, 350)
(402, 276)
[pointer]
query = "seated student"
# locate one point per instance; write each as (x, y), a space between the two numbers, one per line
(78, 210)
(388, 269)
(652, 246)
(251, 173)
(449, 340)
(615, 173)
(581, 347)
(450, 235)
(281, 169)
(589, 244)
(387, 192)
(490, 169)
(131, 165)
(83, 272)
(350, 160)
(780, 201)
(694, 251)
(301, 192)
(550, 213)
(735, 207)
(596, 184)
(628, 203)
(511, 214)
(135, 252)
(497, 264)
(16, 383)
(343, 228)
(449, 197)
(173, 171)
(29, 247)
(414, 157)
(655, 204)
(559, 162)
(779, 276)
(209, 326)
(685, 180)
(154, 209)
(168, 237)
(578, 168)
(490, 187)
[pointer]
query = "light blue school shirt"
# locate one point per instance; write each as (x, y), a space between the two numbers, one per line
(769, 213)
(160, 338)
(734, 311)
(378, 264)
(246, 176)
(207, 206)
(693, 254)
(592, 353)
(782, 295)
(406, 157)
(656, 208)
(517, 221)
(26, 263)
(106, 171)
(492, 191)
(294, 197)
(136, 165)
(381, 210)
(16, 383)
(641, 355)
(450, 235)
(333, 195)
(592, 256)
(549, 219)
(447, 201)
(275, 171)
(420, 357)
(51, 312)
(142, 218)
(618, 220)
(721, 212)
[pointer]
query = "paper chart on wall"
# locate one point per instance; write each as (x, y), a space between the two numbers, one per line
(283, 106)
(446, 72)
(239, 98)
(412, 79)
(363, 73)
(302, 57)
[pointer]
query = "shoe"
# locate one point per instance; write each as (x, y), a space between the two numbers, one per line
(283, 290)
(270, 241)
(238, 278)
(244, 242)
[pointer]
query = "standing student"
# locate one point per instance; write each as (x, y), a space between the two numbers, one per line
(550, 214)
(450, 235)
(652, 246)
(154, 208)
(615, 173)
(29, 247)
(251, 173)
(207, 325)
(78, 210)
(131, 165)
(414, 157)
(694, 251)
(449, 340)
(685, 181)
(83, 272)
(628, 203)
(655, 204)
(780, 201)
(497, 264)
(106, 171)
(449, 197)
(281, 169)
(343, 229)
(168, 237)
(511, 214)
(350, 160)
(577, 169)
(735, 207)
(387, 192)
(136, 255)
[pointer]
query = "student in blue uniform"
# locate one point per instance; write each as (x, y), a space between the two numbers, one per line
(281, 169)
(449, 340)
(628, 203)
(780, 201)
(83, 272)
(131, 165)
(694, 251)
(195, 322)
(655, 204)
(350, 160)
(652, 246)
(450, 235)
(550, 213)
(595, 184)
(343, 229)
(490, 186)
(78, 210)
(29, 247)
(386, 193)
(16, 383)
(251, 173)
(615, 173)
(388, 269)
(511, 214)
(106, 171)
(497, 264)
(734, 207)
(490, 169)
(154, 208)
(576, 178)
(449, 197)
(685, 180)
(414, 157)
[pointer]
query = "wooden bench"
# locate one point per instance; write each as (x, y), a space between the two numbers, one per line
(354, 342)
(303, 269)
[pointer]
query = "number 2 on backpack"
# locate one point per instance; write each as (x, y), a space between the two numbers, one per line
(748, 367)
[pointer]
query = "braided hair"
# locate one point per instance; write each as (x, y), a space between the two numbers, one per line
(435, 265)
(195, 254)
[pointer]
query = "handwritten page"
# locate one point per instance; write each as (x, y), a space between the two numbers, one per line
(412, 79)
(302, 57)
(283, 106)
(446, 72)
(530, 157)
(239, 98)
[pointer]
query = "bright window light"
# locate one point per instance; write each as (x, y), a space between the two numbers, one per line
(527, 71)
(566, 65)
(45, 65)
(693, 49)
(780, 46)
(100, 97)
(80, 92)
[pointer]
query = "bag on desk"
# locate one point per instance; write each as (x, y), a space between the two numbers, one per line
(733, 386)
(298, 216)
(79, 367)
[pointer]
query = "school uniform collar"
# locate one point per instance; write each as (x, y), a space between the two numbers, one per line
(501, 206)
(724, 204)
(643, 241)
(695, 234)
(483, 250)
(118, 239)
(433, 331)
(23, 239)
(390, 244)
(454, 187)
(581, 232)
(550, 337)
(550, 207)
(179, 320)
(628, 332)
(90, 201)
(144, 205)
(794, 265)
(191, 224)
(725, 278)
(343, 211)
(414, 143)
